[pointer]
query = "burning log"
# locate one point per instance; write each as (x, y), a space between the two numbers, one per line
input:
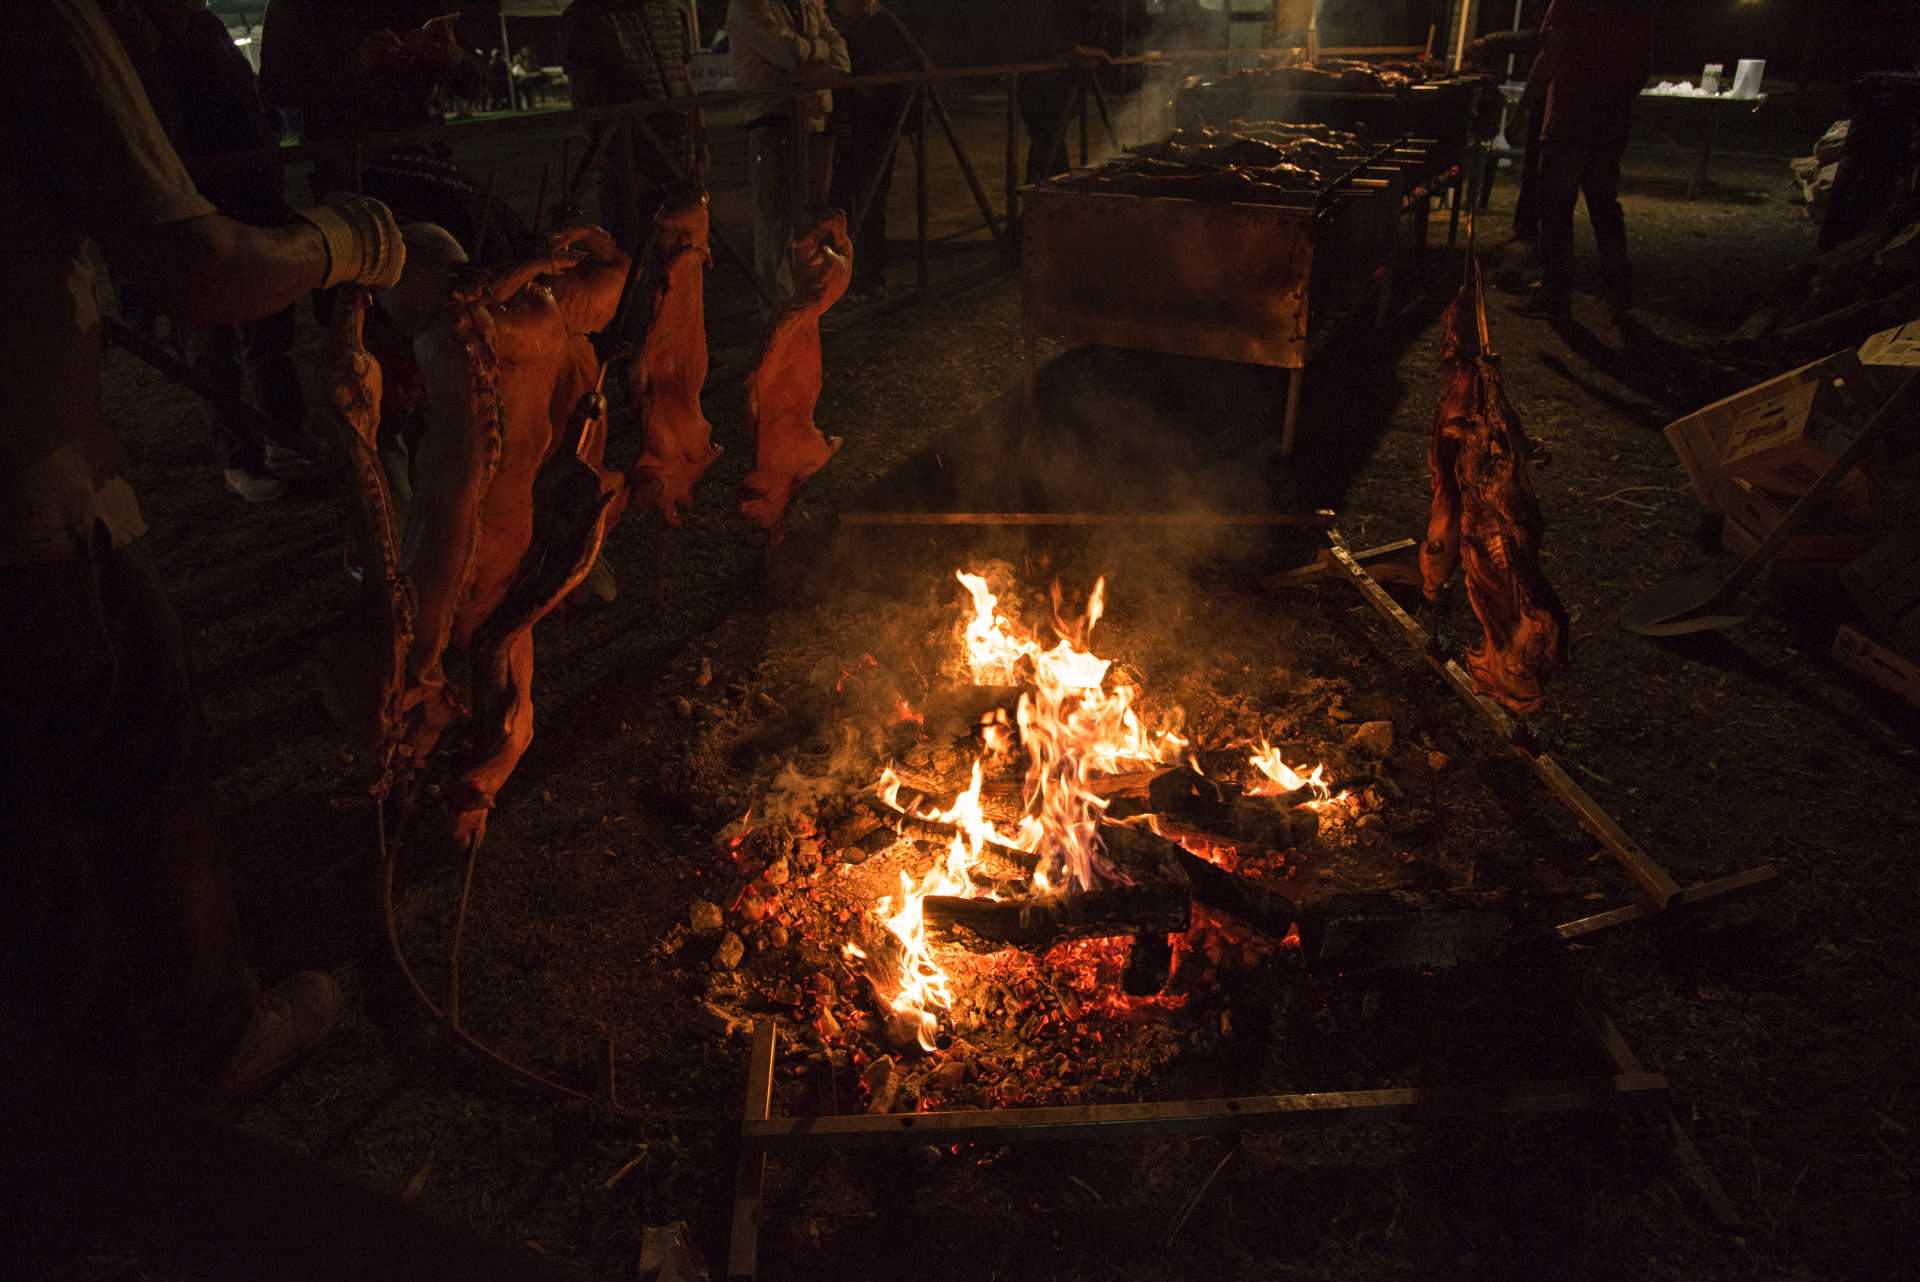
(1036, 924)
(1210, 806)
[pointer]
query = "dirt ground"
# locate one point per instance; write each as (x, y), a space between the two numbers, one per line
(1785, 1023)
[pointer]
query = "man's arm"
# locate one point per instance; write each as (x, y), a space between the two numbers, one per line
(753, 25)
(837, 56)
(216, 271)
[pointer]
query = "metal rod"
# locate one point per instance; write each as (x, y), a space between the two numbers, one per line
(1106, 116)
(1013, 165)
(1081, 92)
(967, 171)
(921, 209)
(459, 931)
(540, 199)
(749, 1184)
(1320, 518)
(1201, 1117)
(486, 215)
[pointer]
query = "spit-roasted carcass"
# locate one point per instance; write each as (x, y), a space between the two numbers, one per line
(784, 381)
(504, 505)
(363, 665)
(670, 368)
(1484, 514)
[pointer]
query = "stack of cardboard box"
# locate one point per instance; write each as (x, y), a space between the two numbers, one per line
(1751, 456)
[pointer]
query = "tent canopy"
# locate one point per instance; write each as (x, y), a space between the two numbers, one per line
(532, 8)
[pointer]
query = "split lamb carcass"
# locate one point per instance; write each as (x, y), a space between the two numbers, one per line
(784, 382)
(573, 506)
(540, 312)
(1484, 513)
(670, 369)
(363, 666)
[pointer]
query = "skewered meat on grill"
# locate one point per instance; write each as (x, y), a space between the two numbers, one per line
(1484, 514)
(784, 381)
(363, 666)
(671, 366)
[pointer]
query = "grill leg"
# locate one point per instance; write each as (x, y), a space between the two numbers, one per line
(1453, 219)
(1287, 425)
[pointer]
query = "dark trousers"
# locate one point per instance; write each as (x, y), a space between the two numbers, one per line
(1569, 171)
(864, 150)
(117, 923)
(1526, 206)
(630, 198)
(1046, 106)
(251, 363)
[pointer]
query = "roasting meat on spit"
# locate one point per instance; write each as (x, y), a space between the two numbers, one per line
(784, 381)
(363, 666)
(671, 366)
(538, 314)
(1484, 513)
(507, 512)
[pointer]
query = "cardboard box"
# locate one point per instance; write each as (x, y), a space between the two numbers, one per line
(1885, 583)
(1782, 443)
(1878, 664)
(1700, 439)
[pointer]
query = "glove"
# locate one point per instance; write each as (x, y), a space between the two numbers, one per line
(363, 241)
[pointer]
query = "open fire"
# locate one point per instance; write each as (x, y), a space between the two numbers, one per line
(1076, 720)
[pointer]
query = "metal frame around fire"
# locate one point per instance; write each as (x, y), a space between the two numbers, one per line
(1625, 1082)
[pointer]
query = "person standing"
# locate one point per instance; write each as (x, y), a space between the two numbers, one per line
(1594, 57)
(877, 42)
(779, 47)
(358, 67)
(626, 50)
(204, 93)
(1060, 30)
(116, 904)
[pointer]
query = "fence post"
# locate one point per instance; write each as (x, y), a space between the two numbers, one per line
(920, 201)
(1013, 165)
(1081, 82)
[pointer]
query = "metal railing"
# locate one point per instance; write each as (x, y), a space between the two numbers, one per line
(604, 124)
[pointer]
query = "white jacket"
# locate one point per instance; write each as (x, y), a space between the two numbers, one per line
(769, 51)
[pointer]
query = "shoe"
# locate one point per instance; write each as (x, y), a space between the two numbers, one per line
(289, 465)
(290, 1020)
(252, 488)
(1540, 305)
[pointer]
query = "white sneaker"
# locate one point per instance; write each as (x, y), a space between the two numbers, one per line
(254, 489)
(288, 465)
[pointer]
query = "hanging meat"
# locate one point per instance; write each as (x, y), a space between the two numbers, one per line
(671, 366)
(538, 314)
(573, 503)
(363, 666)
(784, 381)
(1484, 513)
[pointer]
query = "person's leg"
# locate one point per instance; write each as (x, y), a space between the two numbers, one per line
(819, 168)
(1526, 206)
(213, 352)
(766, 170)
(613, 206)
(1600, 184)
(872, 254)
(1045, 101)
(1561, 168)
(273, 384)
(106, 815)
